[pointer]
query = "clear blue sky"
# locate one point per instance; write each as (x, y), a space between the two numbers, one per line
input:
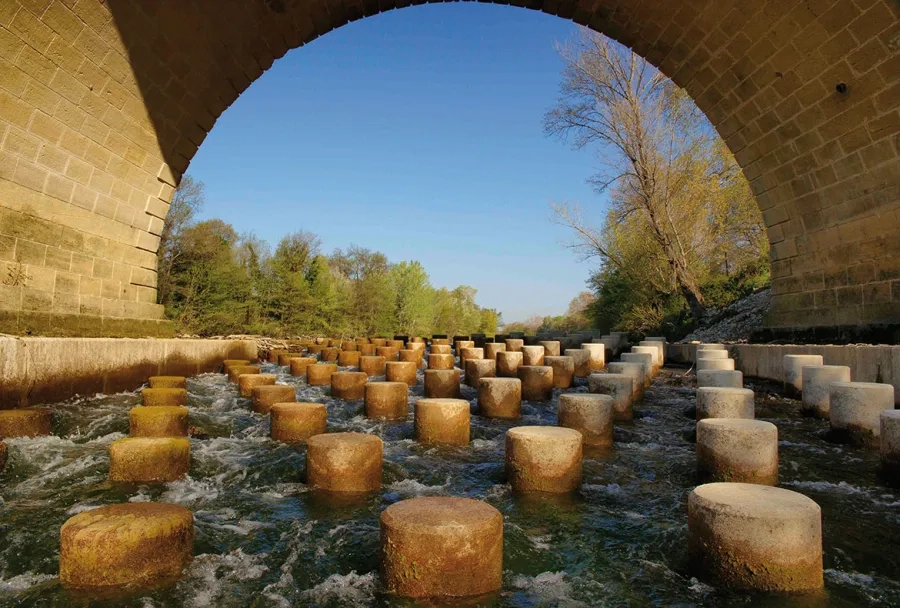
(417, 133)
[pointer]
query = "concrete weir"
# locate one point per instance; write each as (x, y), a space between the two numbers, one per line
(47, 370)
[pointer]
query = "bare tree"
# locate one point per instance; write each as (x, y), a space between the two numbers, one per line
(650, 146)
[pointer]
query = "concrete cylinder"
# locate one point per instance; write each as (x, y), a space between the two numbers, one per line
(744, 451)
(454, 547)
(28, 422)
(654, 352)
(755, 537)
(348, 358)
(441, 349)
(344, 462)
(597, 355)
(581, 359)
(660, 356)
(378, 342)
(296, 422)
(367, 350)
(315, 349)
(411, 356)
(469, 353)
(349, 346)
(589, 414)
(720, 377)
(440, 361)
(508, 363)
(638, 371)
(532, 355)
(855, 411)
(443, 421)
(149, 459)
(387, 400)
(330, 355)
(247, 382)
(299, 365)
(514, 345)
(348, 385)
(372, 365)
(388, 352)
(136, 544)
(645, 360)
(235, 371)
(492, 348)
(440, 341)
(232, 362)
(543, 459)
(658, 342)
(284, 358)
(320, 374)
(618, 386)
(461, 344)
(167, 382)
(416, 344)
(551, 348)
(704, 364)
(563, 370)
(271, 358)
(817, 381)
(442, 383)
(400, 371)
(722, 402)
(500, 397)
(792, 367)
(262, 398)
(476, 369)
(703, 347)
(164, 396)
(4, 451)
(162, 421)
(398, 344)
(714, 354)
(537, 382)
(890, 444)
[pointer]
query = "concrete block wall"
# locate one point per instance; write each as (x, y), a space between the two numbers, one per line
(48, 370)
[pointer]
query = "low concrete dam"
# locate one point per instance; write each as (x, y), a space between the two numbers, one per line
(256, 484)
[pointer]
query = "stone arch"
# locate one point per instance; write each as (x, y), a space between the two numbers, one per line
(104, 103)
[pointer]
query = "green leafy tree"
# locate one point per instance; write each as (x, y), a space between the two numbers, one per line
(413, 298)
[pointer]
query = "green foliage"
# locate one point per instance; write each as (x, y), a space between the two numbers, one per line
(220, 283)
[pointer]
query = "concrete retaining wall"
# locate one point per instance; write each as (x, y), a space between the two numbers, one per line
(46, 370)
(867, 363)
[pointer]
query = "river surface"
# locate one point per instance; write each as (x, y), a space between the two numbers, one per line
(262, 539)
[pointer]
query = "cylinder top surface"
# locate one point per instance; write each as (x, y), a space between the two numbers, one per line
(755, 501)
(440, 512)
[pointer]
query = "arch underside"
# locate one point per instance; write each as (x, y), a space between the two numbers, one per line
(103, 106)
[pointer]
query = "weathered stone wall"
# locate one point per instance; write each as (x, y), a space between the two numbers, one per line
(46, 370)
(867, 363)
(103, 105)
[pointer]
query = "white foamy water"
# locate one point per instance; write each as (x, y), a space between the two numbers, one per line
(347, 590)
(24, 581)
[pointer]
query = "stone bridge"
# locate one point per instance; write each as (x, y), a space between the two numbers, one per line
(103, 104)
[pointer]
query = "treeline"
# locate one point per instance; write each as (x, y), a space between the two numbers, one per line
(577, 317)
(682, 232)
(214, 281)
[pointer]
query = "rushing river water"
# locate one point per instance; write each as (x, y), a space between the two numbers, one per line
(262, 539)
